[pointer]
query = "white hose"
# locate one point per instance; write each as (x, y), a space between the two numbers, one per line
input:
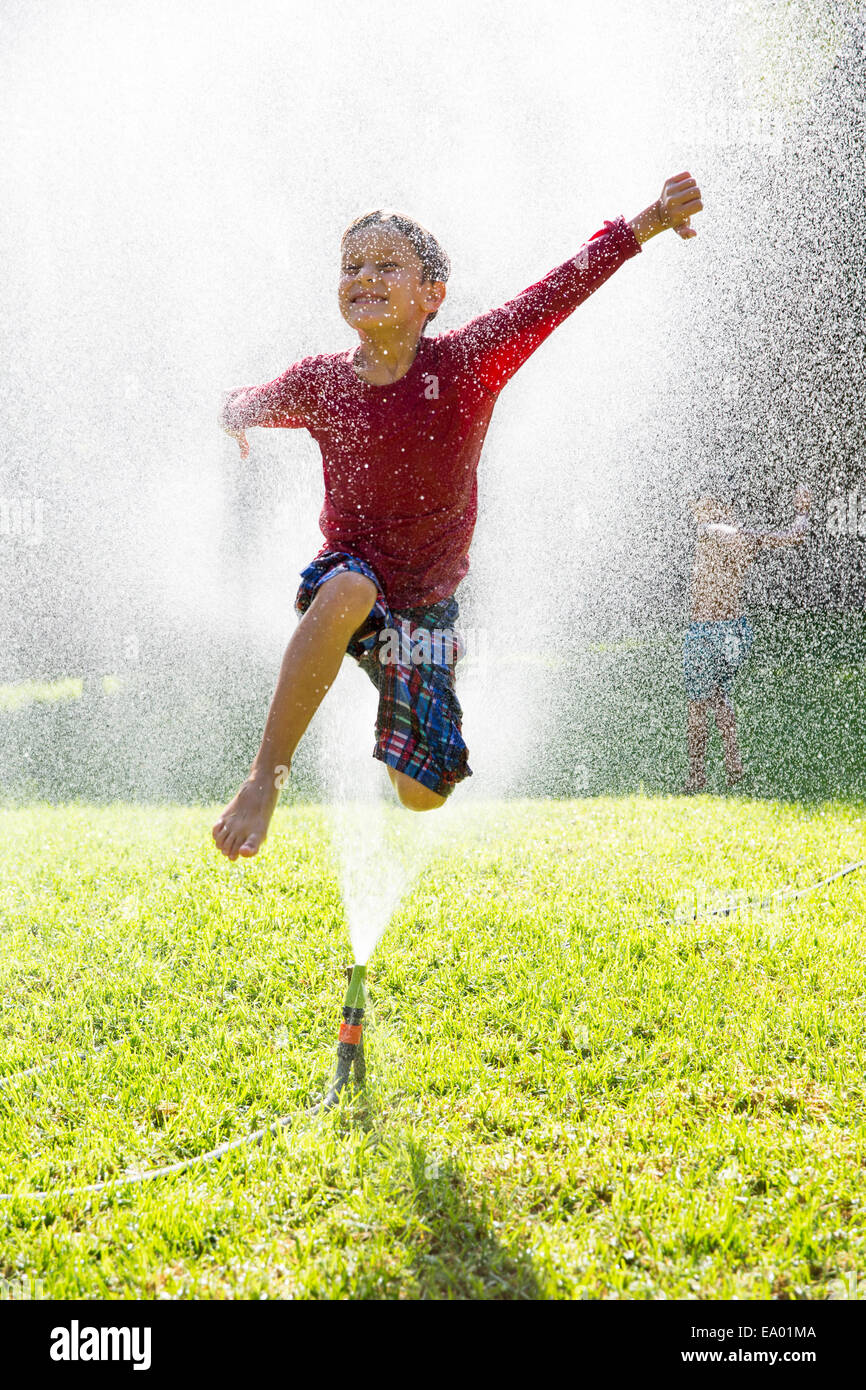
(212, 1155)
(149, 1174)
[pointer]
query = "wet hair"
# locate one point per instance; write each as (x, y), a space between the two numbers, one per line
(723, 510)
(434, 261)
(724, 489)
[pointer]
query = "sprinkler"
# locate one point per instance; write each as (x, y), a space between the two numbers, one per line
(350, 1044)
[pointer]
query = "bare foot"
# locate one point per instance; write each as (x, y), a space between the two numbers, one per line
(243, 825)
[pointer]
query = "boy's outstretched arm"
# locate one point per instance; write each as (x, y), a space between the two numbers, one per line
(496, 344)
(284, 402)
(680, 200)
(798, 531)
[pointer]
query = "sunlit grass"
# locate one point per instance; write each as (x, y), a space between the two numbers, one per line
(570, 1095)
(21, 693)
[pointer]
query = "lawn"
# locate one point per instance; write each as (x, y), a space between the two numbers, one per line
(610, 720)
(572, 1094)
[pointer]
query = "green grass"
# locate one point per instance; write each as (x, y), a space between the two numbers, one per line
(610, 720)
(801, 713)
(20, 694)
(570, 1095)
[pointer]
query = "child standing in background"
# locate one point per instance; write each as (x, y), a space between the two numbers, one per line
(720, 636)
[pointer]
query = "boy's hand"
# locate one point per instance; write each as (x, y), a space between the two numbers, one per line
(239, 435)
(803, 499)
(242, 441)
(680, 199)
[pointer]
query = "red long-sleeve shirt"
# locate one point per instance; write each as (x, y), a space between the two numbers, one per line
(400, 460)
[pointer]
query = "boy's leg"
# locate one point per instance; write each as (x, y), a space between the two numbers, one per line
(418, 725)
(723, 709)
(413, 794)
(737, 647)
(310, 665)
(696, 734)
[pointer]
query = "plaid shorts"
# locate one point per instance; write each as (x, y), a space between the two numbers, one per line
(409, 656)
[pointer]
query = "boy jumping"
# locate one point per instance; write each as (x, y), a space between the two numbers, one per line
(720, 636)
(400, 421)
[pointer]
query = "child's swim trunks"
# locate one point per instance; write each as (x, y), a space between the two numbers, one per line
(713, 654)
(409, 656)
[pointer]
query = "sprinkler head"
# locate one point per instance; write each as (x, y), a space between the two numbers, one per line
(356, 994)
(350, 1044)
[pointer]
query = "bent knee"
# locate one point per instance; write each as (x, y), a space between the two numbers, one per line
(422, 800)
(414, 795)
(348, 595)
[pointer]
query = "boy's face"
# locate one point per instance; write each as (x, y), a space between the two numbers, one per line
(382, 281)
(710, 509)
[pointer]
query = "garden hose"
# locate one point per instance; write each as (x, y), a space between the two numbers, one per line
(350, 1057)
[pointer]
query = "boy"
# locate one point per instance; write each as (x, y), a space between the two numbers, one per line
(720, 636)
(400, 422)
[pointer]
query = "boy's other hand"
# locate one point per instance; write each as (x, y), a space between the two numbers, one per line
(680, 200)
(243, 443)
(239, 435)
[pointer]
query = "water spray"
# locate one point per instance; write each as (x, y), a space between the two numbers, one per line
(350, 1040)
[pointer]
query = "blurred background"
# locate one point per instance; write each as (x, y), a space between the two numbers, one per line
(176, 181)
